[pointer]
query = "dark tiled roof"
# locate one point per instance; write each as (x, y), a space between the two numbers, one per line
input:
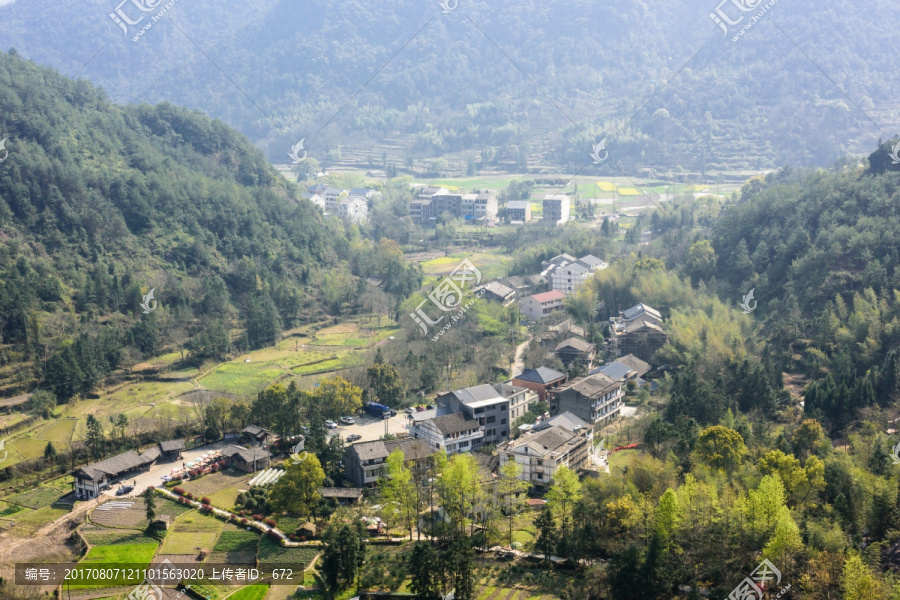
(112, 466)
(254, 430)
(171, 445)
(506, 390)
(580, 345)
(151, 454)
(412, 449)
(248, 455)
(540, 375)
(454, 423)
(592, 385)
(635, 364)
(333, 492)
(639, 309)
(476, 394)
(566, 420)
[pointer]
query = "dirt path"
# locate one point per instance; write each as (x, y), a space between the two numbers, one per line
(47, 544)
(518, 366)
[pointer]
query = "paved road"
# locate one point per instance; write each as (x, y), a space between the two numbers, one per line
(153, 477)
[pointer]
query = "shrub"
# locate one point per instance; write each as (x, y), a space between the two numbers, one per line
(179, 491)
(244, 521)
(292, 537)
(270, 522)
(272, 534)
(189, 495)
(257, 517)
(205, 500)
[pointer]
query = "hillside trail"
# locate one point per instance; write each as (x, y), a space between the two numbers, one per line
(47, 543)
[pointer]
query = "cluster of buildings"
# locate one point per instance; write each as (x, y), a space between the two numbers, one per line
(92, 479)
(351, 205)
(432, 202)
(638, 331)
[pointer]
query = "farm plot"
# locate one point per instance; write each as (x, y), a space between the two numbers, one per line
(216, 483)
(273, 552)
(59, 432)
(39, 497)
(28, 525)
(190, 533)
(235, 546)
(241, 378)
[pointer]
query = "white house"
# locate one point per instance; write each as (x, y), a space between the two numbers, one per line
(453, 433)
(538, 306)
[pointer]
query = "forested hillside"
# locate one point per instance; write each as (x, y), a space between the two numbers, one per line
(451, 89)
(100, 203)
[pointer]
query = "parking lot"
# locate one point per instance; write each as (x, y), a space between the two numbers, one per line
(371, 428)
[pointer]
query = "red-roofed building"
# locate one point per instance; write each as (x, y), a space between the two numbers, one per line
(539, 306)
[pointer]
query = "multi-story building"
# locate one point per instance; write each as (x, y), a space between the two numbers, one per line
(542, 381)
(452, 433)
(540, 453)
(518, 211)
(567, 273)
(520, 399)
(478, 205)
(576, 350)
(332, 196)
(596, 399)
(556, 209)
(638, 331)
(355, 210)
(364, 461)
(484, 403)
(627, 368)
(538, 306)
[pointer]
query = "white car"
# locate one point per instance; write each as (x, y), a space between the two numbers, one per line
(347, 420)
(330, 424)
(410, 410)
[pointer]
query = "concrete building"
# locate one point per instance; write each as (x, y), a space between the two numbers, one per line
(479, 205)
(453, 433)
(354, 210)
(540, 453)
(566, 273)
(538, 306)
(520, 399)
(556, 209)
(640, 338)
(624, 369)
(364, 462)
(542, 381)
(518, 211)
(595, 399)
(486, 405)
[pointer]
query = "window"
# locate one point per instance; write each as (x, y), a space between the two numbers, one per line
(540, 475)
(503, 407)
(464, 444)
(491, 419)
(503, 421)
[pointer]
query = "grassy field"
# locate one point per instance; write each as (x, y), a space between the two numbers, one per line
(191, 532)
(490, 264)
(138, 553)
(237, 540)
(273, 552)
(251, 592)
(38, 497)
(241, 377)
(215, 483)
(30, 523)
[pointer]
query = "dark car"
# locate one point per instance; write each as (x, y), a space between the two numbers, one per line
(506, 556)
(420, 408)
(124, 490)
(353, 437)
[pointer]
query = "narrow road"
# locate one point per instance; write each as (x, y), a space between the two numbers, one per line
(518, 366)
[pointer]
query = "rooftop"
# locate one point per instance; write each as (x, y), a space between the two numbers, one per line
(548, 296)
(566, 420)
(455, 423)
(576, 344)
(592, 385)
(333, 492)
(540, 375)
(638, 310)
(248, 455)
(518, 204)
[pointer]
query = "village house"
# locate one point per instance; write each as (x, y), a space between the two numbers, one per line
(518, 211)
(247, 460)
(364, 461)
(575, 350)
(254, 435)
(624, 369)
(342, 495)
(540, 453)
(556, 209)
(538, 306)
(566, 273)
(496, 292)
(520, 399)
(642, 339)
(486, 405)
(595, 399)
(452, 433)
(92, 479)
(541, 380)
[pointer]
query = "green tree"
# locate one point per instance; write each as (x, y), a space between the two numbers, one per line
(297, 492)
(50, 453)
(96, 440)
(701, 260)
(337, 396)
(150, 505)
(424, 570)
(344, 554)
(398, 492)
(563, 496)
(511, 490)
(548, 535)
(720, 447)
(386, 384)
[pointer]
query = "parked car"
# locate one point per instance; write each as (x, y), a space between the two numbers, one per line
(347, 420)
(430, 407)
(506, 555)
(410, 410)
(353, 437)
(330, 424)
(124, 490)
(420, 408)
